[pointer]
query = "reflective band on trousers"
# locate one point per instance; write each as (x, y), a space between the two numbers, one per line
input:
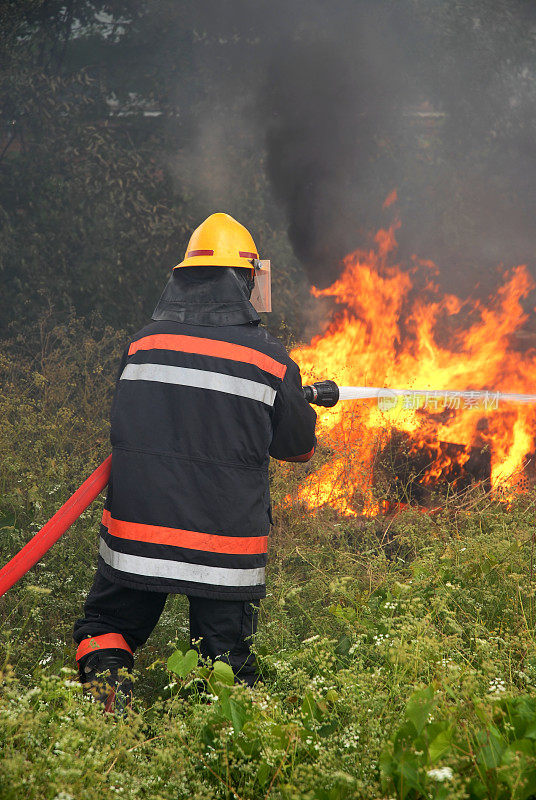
(179, 570)
(200, 379)
(106, 641)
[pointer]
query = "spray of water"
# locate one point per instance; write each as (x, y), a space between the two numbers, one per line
(487, 397)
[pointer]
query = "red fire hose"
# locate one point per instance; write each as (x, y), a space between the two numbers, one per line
(55, 527)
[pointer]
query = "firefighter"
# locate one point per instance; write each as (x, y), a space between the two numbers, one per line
(204, 396)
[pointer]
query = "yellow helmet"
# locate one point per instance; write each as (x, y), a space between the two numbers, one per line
(220, 241)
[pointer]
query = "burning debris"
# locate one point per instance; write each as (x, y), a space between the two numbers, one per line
(394, 327)
(423, 472)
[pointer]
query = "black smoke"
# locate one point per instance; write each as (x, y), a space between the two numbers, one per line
(342, 102)
(324, 112)
(437, 100)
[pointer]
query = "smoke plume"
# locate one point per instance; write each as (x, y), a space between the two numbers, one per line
(340, 103)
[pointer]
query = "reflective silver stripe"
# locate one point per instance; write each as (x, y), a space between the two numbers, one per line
(179, 570)
(200, 379)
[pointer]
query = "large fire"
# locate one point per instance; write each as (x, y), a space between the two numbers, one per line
(395, 328)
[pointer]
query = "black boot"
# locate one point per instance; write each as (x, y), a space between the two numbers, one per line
(107, 676)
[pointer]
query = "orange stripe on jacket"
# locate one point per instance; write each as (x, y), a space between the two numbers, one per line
(208, 347)
(190, 540)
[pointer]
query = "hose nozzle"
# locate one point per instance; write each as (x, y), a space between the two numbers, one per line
(322, 393)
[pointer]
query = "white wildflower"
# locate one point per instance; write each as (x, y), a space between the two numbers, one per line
(350, 738)
(440, 774)
(380, 638)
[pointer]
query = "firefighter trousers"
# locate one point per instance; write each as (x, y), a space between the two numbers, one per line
(218, 628)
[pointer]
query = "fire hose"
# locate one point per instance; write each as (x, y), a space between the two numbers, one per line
(49, 534)
(322, 393)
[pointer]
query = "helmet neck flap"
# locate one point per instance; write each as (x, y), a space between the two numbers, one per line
(207, 296)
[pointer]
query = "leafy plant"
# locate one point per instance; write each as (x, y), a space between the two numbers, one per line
(488, 754)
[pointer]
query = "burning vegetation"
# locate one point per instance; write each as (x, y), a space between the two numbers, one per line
(395, 327)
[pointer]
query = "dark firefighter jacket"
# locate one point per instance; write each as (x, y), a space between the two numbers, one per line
(204, 396)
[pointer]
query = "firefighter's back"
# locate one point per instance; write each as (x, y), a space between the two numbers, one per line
(189, 507)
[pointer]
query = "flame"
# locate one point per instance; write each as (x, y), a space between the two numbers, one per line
(394, 327)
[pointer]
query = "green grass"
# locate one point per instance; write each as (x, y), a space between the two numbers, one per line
(397, 657)
(351, 629)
